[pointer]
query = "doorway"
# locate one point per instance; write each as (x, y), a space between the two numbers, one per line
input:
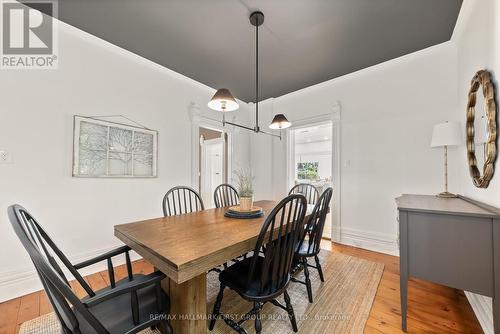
(311, 160)
(213, 163)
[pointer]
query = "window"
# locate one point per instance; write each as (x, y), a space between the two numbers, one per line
(307, 170)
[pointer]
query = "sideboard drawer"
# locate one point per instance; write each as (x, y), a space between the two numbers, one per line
(451, 250)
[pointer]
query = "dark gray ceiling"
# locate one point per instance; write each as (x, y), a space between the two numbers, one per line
(302, 42)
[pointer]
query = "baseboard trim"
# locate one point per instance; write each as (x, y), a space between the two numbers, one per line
(374, 241)
(20, 282)
(483, 310)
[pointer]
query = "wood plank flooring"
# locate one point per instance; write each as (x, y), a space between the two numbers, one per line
(431, 308)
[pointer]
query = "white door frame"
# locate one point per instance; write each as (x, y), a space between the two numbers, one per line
(334, 118)
(197, 121)
(203, 166)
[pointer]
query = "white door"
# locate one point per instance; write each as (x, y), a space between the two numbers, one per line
(212, 169)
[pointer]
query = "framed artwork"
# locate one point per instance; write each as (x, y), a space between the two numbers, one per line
(109, 149)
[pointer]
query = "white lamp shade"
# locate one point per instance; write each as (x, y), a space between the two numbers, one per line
(279, 122)
(447, 134)
(223, 100)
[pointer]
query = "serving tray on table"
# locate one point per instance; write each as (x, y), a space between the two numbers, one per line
(236, 212)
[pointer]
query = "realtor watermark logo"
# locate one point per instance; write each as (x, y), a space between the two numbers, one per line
(29, 34)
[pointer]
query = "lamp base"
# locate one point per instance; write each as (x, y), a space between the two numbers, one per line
(446, 194)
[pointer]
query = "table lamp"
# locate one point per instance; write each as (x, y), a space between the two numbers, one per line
(444, 135)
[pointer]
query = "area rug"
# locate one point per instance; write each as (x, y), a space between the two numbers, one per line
(341, 304)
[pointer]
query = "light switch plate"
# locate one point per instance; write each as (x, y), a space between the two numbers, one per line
(5, 157)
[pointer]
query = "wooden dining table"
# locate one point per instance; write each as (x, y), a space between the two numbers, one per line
(185, 247)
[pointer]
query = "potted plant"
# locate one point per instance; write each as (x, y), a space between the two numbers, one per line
(245, 189)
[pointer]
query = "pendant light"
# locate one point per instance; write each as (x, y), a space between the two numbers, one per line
(279, 122)
(224, 101)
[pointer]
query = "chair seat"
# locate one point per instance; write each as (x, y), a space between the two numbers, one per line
(303, 249)
(116, 314)
(236, 278)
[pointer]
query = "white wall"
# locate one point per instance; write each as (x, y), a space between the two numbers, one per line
(314, 147)
(387, 115)
(477, 39)
(36, 127)
(261, 155)
(478, 47)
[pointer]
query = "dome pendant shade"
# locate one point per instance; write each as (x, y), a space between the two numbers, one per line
(279, 122)
(223, 100)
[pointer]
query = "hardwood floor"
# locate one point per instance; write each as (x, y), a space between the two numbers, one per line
(431, 308)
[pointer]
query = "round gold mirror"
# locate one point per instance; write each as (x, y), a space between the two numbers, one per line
(481, 129)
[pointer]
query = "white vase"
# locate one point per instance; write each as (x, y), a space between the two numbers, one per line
(246, 203)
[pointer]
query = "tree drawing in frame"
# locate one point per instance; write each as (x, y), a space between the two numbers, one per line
(108, 149)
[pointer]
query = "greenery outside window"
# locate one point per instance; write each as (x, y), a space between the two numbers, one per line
(307, 170)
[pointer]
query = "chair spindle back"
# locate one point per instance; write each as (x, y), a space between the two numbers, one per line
(226, 195)
(316, 223)
(280, 235)
(308, 190)
(180, 200)
(42, 251)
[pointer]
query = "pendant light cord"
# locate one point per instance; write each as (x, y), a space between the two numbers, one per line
(259, 20)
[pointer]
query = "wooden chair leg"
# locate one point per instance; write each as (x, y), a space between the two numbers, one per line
(258, 322)
(320, 270)
(308, 280)
(290, 312)
(216, 311)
